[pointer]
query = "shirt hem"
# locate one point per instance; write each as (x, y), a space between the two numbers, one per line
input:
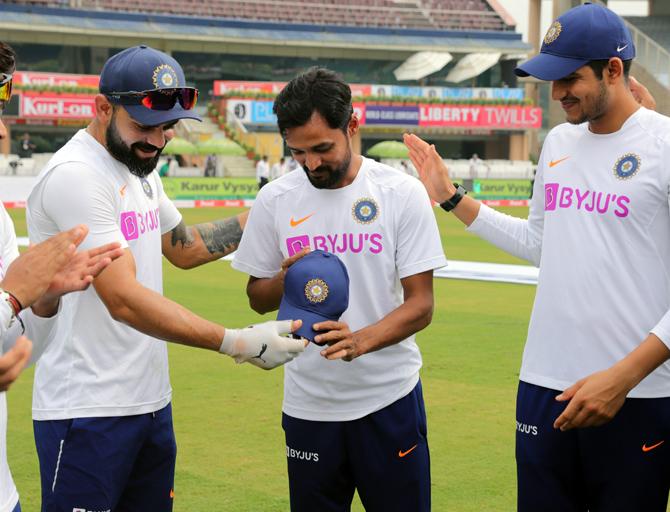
(321, 415)
(422, 266)
(99, 411)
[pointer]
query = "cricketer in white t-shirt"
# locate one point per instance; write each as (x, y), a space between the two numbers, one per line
(383, 228)
(96, 366)
(37, 329)
(599, 229)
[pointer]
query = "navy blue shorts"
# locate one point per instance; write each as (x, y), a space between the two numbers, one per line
(623, 465)
(383, 455)
(122, 463)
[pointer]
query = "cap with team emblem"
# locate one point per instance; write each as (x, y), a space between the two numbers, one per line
(582, 34)
(150, 85)
(316, 289)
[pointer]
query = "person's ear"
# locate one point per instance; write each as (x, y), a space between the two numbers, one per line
(103, 108)
(614, 69)
(354, 124)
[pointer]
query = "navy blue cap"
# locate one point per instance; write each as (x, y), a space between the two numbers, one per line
(142, 68)
(316, 289)
(582, 34)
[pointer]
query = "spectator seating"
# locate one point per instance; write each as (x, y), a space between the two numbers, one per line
(403, 14)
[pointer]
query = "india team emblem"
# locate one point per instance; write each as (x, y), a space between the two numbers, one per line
(627, 166)
(553, 32)
(164, 76)
(146, 186)
(365, 210)
(316, 291)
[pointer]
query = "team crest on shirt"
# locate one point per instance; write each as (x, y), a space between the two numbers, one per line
(164, 76)
(316, 291)
(365, 210)
(553, 32)
(146, 186)
(627, 166)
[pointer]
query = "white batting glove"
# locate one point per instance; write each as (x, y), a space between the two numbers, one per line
(262, 344)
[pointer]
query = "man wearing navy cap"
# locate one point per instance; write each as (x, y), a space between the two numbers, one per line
(599, 229)
(353, 411)
(101, 402)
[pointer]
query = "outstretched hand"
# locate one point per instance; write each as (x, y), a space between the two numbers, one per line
(82, 268)
(264, 345)
(31, 274)
(432, 170)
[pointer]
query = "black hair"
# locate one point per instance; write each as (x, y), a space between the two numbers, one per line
(598, 66)
(7, 58)
(317, 89)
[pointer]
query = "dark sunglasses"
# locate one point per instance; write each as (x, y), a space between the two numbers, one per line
(157, 99)
(5, 86)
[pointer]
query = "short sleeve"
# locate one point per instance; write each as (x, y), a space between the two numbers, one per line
(418, 246)
(70, 195)
(258, 254)
(168, 212)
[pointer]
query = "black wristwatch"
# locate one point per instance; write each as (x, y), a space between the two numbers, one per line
(451, 203)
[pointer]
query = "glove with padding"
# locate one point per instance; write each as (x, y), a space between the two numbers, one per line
(263, 344)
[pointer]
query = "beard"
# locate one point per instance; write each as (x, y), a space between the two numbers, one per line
(125, 154)
(332, 176)
(598, 109)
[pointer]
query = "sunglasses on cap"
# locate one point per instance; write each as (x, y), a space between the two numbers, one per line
(5, 86)
(157, 99)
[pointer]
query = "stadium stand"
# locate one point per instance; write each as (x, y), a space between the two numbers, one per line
(656, 27)
(485, 15)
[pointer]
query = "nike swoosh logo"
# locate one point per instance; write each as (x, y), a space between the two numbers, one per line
(622, 48)
(401, 454)
(122, 190)
(294, 223)
(556, 162)
(646, 448)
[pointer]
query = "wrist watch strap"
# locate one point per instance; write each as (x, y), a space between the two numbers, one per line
(451, 203)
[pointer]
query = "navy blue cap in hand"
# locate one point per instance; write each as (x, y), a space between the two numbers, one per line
(316, 289)
(140, 69)
(582, 34)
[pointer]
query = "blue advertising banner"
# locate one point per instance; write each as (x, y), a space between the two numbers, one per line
(382, 114)
(261, 112)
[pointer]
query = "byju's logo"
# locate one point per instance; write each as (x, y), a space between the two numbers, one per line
(526, 429)
(301, 455)
(550, 196)
(134, 224)
(129, 226)
(339, 243)
(590, 201)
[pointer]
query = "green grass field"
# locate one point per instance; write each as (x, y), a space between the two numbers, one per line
(227, 418)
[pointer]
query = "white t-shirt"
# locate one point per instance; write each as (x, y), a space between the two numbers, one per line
(37, 329)
(382, 227)
(599, 229)
(96, 366)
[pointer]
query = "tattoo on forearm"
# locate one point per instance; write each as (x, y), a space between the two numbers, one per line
(182, 233)
(221, 236)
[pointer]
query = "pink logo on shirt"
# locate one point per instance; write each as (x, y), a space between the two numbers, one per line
(133, 224)
(586, 200)
(128, 224)
(337, 244)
